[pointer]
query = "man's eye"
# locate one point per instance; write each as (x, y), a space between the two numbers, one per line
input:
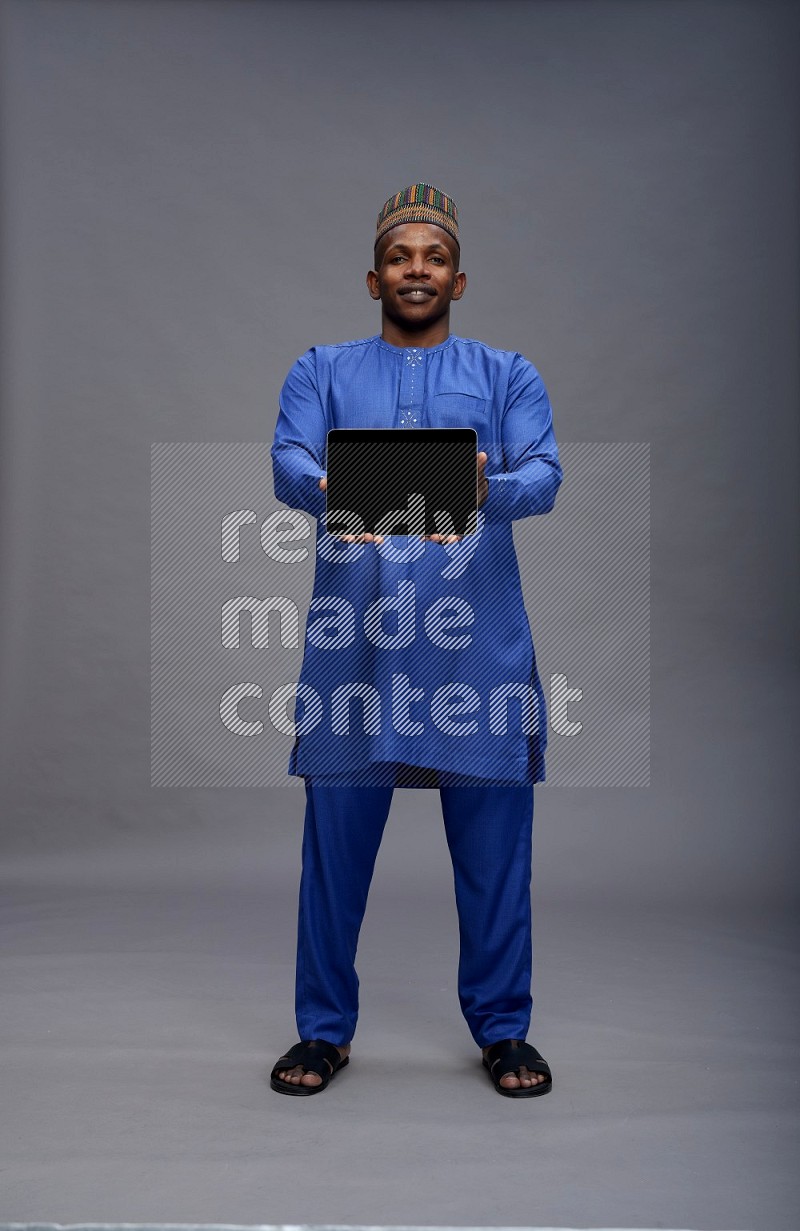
(439, 259)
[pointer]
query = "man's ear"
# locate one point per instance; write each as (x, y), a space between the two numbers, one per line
(374, 284)
(460, 285)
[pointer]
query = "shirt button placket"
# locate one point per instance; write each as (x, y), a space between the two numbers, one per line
(411, 383)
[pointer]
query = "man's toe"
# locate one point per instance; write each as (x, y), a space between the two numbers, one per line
(511, 1081)
(298, 1076)
(301, 1078)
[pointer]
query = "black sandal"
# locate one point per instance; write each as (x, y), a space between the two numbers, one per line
(316, 1056)
(510, 1055)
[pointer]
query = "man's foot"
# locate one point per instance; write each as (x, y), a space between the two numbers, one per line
(299, 1077)
(512, 1082)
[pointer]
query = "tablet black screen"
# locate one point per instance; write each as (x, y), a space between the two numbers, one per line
(394, 479)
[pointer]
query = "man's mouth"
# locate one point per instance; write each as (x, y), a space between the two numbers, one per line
(416, 293)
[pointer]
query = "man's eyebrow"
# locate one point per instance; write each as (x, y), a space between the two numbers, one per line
(428, 247)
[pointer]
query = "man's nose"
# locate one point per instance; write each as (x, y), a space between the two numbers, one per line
(416, 266)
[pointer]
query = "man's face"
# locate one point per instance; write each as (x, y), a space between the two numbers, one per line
(416, 275)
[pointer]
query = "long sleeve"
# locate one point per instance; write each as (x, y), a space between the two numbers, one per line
(298, 450)
(531, 472)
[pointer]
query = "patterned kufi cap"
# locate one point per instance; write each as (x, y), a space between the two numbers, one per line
(419, 203)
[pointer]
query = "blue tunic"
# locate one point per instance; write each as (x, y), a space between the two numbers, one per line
(416, 652)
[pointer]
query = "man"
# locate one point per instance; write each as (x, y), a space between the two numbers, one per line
(467, 707)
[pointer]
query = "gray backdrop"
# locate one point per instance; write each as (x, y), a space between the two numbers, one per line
(189, 194)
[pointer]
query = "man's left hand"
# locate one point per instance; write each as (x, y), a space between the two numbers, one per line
(483, 492)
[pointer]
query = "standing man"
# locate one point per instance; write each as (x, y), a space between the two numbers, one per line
(451, 698)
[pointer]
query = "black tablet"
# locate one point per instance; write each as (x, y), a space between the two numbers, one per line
(397, 480)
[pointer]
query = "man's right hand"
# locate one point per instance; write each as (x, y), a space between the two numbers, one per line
(352, 538)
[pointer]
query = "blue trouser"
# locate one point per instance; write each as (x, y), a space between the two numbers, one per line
(489, 831)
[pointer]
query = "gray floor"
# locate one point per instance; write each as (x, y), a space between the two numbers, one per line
(145, 1000)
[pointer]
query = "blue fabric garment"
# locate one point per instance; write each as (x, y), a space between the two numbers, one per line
(463, 696)
(489, 830)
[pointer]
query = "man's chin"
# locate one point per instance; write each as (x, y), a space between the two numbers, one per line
(416, 316)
